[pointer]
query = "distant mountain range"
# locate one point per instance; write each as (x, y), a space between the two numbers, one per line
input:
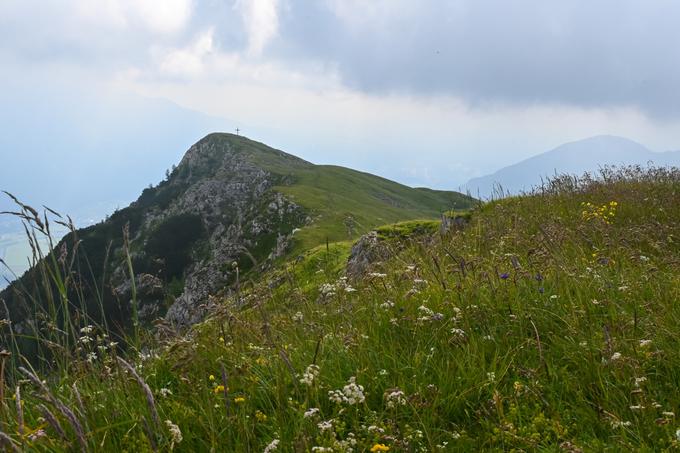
(571, 158)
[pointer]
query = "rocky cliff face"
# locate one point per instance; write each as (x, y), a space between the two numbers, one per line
(244, 223)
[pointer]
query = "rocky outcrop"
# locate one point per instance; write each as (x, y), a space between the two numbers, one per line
(242, 219)
(454, 223)
(366, 252)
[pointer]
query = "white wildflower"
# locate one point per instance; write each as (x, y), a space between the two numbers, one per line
(309, 413)
(636, 407)
(387, 305)
(36, 435)
(87, 330)
(322, 449)
(325, 425)
(620, 424)
(377, 275)
(640, 380)
(349, 289)
(91, 357)
(645, 343)
(297, 317)
(426, 314)
(677, 434)
(668, 414)
(273, 446)
(491, 376)
(310, 374)
(616, 356)
(458, 332)
(175, 433)
(351, 394)
(335, 396)
(395, 398)
(327, 289)
(165, 392)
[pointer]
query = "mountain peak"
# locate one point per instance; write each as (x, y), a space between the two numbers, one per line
(575, 157)
(219, 149)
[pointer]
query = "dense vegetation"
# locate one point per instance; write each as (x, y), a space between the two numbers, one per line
(548, 323)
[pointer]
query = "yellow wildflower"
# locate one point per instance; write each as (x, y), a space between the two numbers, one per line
(380, 447)
(519, 387)
(239, 400)
(211, 377)
(261, 417)
(218, 389)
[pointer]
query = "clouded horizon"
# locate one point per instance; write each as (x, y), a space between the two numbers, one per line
(424, 92)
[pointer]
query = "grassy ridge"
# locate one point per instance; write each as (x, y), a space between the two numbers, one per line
(548, 324)
(343, 203)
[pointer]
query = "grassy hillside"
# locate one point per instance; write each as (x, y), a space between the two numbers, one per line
(344, 203)
(548, 324)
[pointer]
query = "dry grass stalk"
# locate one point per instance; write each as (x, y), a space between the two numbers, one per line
(52, 420)
(7, 441)
(65, 411)
(149, 434)
(145, 387)
(3, 357)
(20, 410)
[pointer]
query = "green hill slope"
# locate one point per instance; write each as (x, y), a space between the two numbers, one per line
(344, 203)
(548, 323)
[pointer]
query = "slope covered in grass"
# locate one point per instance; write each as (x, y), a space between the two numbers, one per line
(342, 202)
(549, 323)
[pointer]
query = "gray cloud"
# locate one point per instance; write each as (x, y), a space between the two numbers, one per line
(587, 53)
(608, 53)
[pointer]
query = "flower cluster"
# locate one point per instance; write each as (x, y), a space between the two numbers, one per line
(394, 398)
(310, 374)
(426, 314)
(350, 394)
(175, 433)
(605, 212)
(273, 446)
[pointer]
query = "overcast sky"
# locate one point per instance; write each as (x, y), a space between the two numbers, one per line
(422, 91)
